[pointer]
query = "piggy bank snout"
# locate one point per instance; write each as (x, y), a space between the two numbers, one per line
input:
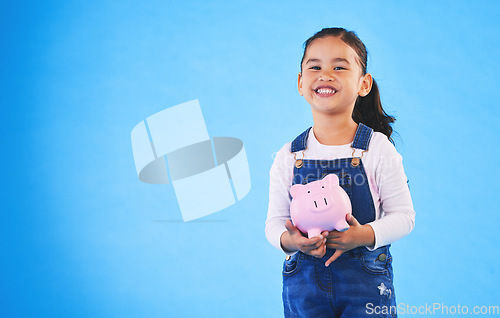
(320, 203)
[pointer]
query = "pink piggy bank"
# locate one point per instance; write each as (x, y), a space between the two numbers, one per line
(320, 205)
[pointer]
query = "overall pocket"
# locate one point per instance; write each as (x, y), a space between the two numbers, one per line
(377, 262)
(291, 265)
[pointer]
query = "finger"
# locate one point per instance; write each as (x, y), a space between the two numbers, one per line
(324, 233)
(319, 252)
(334, 257)
(334, 235)
(351, 220)
(312, 246)
(315, 246)
(333, 245)
(321, 243)
(290, 227)
(313, 241)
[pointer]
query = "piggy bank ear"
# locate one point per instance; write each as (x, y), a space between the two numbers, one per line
(296, 189)
(331, 179)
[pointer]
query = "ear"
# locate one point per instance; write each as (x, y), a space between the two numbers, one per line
(366, 85)
(296, 189)
(299, 83)
(331, 179)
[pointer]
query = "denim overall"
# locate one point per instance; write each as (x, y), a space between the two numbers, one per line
(358, 283)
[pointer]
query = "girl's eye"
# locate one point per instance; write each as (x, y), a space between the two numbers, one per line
(315, 68)
(338, 68)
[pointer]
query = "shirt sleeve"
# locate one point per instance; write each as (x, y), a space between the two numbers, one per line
(279, 198)
(397, 216)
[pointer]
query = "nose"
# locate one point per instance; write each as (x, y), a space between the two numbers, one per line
(326, 76)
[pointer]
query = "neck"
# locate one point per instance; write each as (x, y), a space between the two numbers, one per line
(334, 130)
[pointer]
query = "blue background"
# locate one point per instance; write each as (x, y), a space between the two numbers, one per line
(81, 236)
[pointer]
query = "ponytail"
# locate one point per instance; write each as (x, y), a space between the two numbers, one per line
(368, 110)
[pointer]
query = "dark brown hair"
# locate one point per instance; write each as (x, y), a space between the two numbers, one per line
(367, 110)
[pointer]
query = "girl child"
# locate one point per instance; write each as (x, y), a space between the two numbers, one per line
(341, 274)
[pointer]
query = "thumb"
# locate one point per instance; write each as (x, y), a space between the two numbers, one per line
(290, 227)
(351, 220)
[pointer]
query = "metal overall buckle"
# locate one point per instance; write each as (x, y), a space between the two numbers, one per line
(356, 160)
(299, 162)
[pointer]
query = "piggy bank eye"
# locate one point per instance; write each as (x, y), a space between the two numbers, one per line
(308, 191)
(323, 187)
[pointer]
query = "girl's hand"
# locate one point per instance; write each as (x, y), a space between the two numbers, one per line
(293, 240)
(356, 235)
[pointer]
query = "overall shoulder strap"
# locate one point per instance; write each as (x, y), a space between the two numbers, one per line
(362, 137)
(300, 143)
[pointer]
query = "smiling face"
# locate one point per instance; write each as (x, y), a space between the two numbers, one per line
(331, 77)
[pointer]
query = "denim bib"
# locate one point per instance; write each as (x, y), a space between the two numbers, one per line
(351, 173)
(360, 282)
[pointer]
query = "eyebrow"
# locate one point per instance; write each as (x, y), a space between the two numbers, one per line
(338, 59)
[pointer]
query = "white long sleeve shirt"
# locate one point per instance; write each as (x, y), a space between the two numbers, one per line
(394, 214)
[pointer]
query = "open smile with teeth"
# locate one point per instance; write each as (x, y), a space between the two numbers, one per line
(325, 91)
